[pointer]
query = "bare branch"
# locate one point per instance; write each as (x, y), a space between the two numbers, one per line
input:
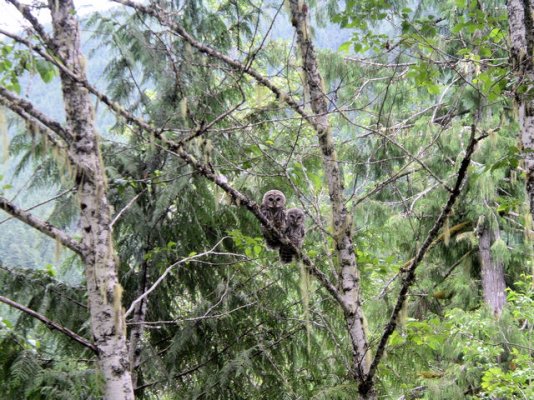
(27, 14)
(125, 208)
(25, 108)
(166, 272)
(39, 204)
(50, 324)
(42, 226)
(409, 277)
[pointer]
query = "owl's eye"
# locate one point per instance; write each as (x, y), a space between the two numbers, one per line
(271, 199)
(278, 199)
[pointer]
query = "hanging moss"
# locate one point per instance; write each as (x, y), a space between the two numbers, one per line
(500, 252)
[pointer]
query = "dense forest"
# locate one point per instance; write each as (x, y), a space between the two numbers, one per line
(267, 199)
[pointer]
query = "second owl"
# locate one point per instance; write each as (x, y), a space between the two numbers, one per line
(295, 233)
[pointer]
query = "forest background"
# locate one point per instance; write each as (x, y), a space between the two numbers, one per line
(405, 131)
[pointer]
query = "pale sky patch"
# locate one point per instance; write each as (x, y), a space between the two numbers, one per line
(12, 21)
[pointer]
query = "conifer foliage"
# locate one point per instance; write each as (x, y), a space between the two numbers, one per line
(137, 145)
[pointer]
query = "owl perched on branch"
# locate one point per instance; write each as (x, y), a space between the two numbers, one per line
(295, 233)
(273, 207)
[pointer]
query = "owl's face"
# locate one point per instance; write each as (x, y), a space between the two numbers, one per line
(274, 199)
(295, 216)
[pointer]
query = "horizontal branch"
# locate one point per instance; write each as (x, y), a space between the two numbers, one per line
(24, 108)
(50, 324)
(42, 226)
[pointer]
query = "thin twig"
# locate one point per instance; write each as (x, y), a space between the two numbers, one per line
(166, 272)
(126, 207)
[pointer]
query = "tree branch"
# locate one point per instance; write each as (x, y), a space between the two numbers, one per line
(165, 273)
(50, 324)
(156, 12)
(24, 9)
(409, 277)
(25, 108)
(51, 136)
(42, 226)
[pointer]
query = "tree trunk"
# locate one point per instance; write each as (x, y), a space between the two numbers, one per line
(341, 218)
(104, 291)
(520, 20)
(138, 327)
(492, 271)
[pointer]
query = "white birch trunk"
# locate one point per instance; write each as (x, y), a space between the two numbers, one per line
(520, 19)
(104, 291)
(342, 220)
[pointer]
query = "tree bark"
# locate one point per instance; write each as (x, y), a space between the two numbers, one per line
(492, 271)
(520, 21)
(104, 291)
(42, 226)
(138, 327)
(341, 218)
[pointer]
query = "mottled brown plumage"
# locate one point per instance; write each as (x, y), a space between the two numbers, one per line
(295, 233)
(273, 207)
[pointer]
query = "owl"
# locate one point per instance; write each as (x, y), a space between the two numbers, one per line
(273, 207)
(294, 232)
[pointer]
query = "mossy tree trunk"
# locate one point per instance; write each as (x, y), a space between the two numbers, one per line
(521, 25)
(341, 218)
(104, 291)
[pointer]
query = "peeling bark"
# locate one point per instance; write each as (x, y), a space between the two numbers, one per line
(521, 25)
(341, 218)
(492, 271)
(104, 291)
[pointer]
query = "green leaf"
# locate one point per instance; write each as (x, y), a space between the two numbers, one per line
(345, 47)
(257, 250)
(433, 89)
(46, 70)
